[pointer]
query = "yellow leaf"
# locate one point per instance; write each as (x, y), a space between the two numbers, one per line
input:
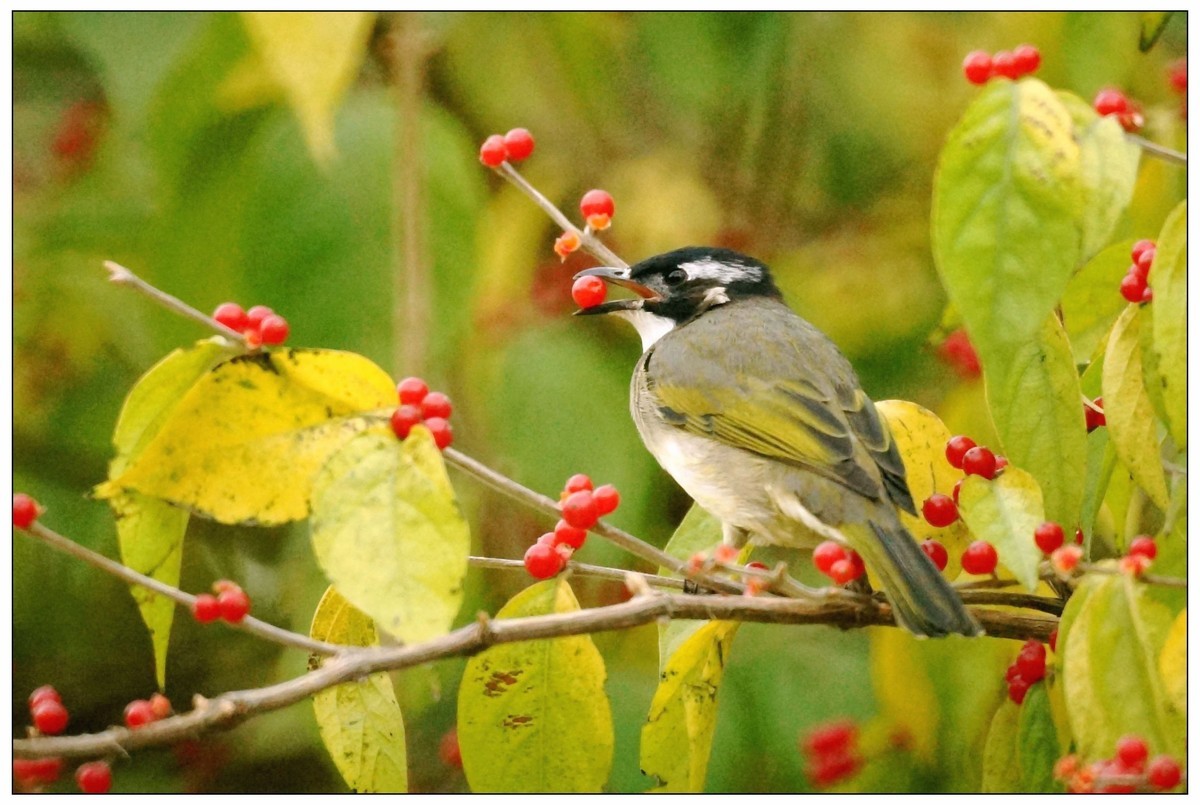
(1172, 663)
(533, 716)
(903, 690)
(244, 443)
(314, 57)
(677, 737)
(1001, 759)
(387, 531)
(360, 721)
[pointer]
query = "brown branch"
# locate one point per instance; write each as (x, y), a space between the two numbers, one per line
(229, 709)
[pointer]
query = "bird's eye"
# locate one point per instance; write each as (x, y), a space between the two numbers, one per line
(675, 277)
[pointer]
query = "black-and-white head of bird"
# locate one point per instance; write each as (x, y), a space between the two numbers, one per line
(678, 286)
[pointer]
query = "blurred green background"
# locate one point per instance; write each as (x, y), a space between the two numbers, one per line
(807, 140)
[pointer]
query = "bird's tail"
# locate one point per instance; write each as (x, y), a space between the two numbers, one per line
(923, 601)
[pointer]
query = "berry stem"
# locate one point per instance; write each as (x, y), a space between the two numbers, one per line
(1156, 150)
(581, 569)
(589, 241)
(254, 626)
(123, 276)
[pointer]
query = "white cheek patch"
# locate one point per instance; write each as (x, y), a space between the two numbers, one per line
(649, 326)
(723, 273)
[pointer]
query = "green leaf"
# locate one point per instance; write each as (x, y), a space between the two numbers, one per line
(388, 533)
(1034, 397)
(533, 716)
(699, 531)
(1153, 24)
(1101, 458)
(360, 721)
(1006, 208)
(1001, 759)
(244, 442)
(1108, 168)
(1005, 511)
(678, 734)
(1168, 278)
(1092, 301)
(1110, 668)
(1037, 741)
(150, 532)
(1127, 408)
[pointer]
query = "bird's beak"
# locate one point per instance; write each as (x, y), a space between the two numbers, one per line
(619, 277)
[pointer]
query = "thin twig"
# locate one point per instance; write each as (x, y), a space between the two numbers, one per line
(1146, 578)
(586, 238)
(582, 569)
(123, 276)
(229, 709)
(249, 624)
(1156, 150)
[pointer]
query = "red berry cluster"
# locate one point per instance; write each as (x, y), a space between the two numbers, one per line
(420, 406)
(980, 67)
(1093, 414)
(230, 603)
(1142, 551)
(1110, 101)
(841, 564)
(497, 149)
(1027, 668)
(1130, 770)
(582, 507)
(961, 451)
(141, 712)
(259, 325)
(32, 773)
(25, 510)
(1135, 286)
(958, 351)
(50, 717)
(831, 753)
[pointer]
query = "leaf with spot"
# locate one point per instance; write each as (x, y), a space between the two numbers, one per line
(244, 443)
(388, 533)
(150, 532)
(1167, 352)
(678, 734)
(360, 721)
(533, 716)
(1127, 408)
(1005, 511)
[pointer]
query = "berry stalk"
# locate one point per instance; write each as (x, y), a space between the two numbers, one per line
(123, 276)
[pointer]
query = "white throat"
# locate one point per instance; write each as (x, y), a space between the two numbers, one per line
(650, 326)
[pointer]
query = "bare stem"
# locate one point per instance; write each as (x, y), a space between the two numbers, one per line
(1146, 578)
(1160, 151)
(123, 276)
(579, 568)
(589, 241)
(249, 624)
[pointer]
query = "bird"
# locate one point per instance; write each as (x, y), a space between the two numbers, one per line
(760, 418)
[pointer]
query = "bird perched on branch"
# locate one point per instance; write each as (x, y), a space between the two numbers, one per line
(760, 418)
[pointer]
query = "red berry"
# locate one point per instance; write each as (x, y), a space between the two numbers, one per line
(578, 483)
(569, 535)
(1066, 558)
(45, 693)
(94, 777)
(607, 499)
(725, 553)
(231, 315)
(1144, 261)
(958, 352)
(1031, 662)
(1140, 248)
(1135, 564)
(234, 604)
(979, 558)
(1144, 546)
(1132, 121)
(411, 390)
(253, 338)
(1027, 59)
(256, 315)
(1133, 286)
(1093, 418)
(579, 509)
(936, 553)
(32, 772)
(588, 291)
(403, 419)
(273, 330)
(160, 705)
(1110, 102)
(957, 489)
(566, 244)
(206, 609)
(829, 769)
(844, 571)
(519, 144)
(25, 510)
(439, 428)
(542, 561)
(1132, 752)
(757, 565)
(448, 749)
(1078, 536)
(1163, 772)
(1049, 537)
(435, 404)
(597, 202)
(1004, 63)
(1001, 463)
(979, 461)
(138, 713)
(825, 554)
(977, 67)
(957, 448)
(1148, 294)
(50, 717)
(1177, 75)
(939, 510)
(1017, 688)
(493, 152)
(1054, 641)
(826, 739)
